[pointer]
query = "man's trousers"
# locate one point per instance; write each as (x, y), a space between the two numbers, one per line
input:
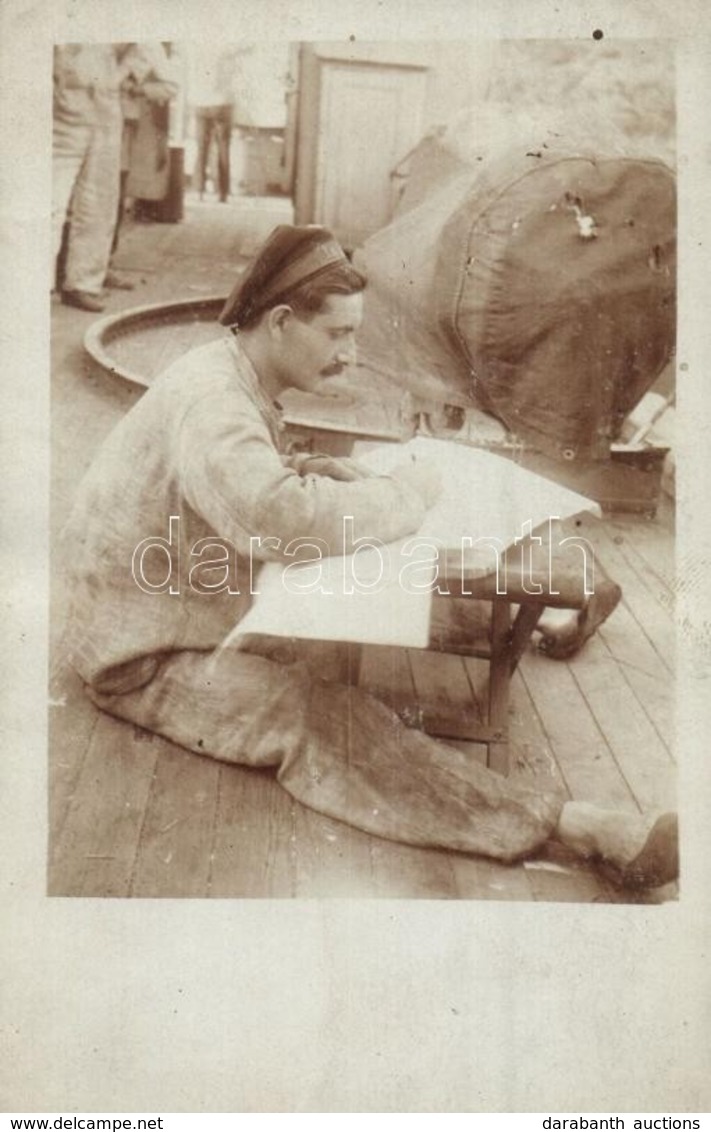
(335, 748)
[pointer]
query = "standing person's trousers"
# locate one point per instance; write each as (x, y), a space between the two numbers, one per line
(86, 167)
(214, 122)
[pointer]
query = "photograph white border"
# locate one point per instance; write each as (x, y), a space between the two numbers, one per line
(343, 1005)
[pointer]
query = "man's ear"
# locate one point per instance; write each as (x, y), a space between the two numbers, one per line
(279, 317)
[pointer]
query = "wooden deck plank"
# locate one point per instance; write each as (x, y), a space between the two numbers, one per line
(334, 859)
(144, 247)
(386, 673)
(643, 546)
(496, 711)
(415, 873)
(72, 722)
(651, 614)
(532, 758)
(410, 872)
(651, 577)
(444, 694)
(574, 884)
(584, 757)
(475, 751)
(479, 878)
(652, 542)
(657, 532)
(635, 743)
(331, 859)
(96, 852)
(532, 761)
(640, 666)
(253, 853)
(173, 857)
(81, 419)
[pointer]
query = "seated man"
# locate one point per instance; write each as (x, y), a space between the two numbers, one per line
(201, 455)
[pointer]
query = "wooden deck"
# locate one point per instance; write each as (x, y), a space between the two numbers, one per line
(133, 815)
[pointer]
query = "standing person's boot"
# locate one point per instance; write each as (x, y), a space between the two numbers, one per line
(115, 281)
(83, 300)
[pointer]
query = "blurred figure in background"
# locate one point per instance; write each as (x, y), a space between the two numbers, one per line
(212, 94)
(150, 81)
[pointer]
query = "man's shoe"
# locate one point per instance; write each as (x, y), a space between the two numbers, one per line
(657, 862)
(83, 300)
(118, 282)
(562, 643)
(631, 850)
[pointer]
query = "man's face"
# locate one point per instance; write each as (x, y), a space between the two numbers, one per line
(311, 352)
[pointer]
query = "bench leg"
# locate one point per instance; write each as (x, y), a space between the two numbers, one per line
(499, 678)
(525, 622)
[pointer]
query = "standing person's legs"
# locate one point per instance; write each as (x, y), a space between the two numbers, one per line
(203, 126)
(95, 203)
(70, 144)
(121, 209)
(128, 138)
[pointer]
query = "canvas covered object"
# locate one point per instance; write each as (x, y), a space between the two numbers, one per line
(538, 284)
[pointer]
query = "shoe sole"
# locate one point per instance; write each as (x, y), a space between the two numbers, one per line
(656, 864)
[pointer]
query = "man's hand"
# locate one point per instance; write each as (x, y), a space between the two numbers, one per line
(336, 468)
(423, 477)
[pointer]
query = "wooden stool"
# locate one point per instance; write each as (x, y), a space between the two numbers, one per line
(504, 637)
(500, 640)
(496, 629)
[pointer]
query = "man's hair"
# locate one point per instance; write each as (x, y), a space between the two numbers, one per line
(307, 299)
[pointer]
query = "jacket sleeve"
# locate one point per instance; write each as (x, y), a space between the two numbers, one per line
(233, 476)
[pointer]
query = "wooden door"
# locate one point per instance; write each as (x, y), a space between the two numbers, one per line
(367, 117)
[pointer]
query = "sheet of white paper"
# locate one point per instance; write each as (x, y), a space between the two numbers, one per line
(357, 598)
(485, 496)
(384, 597)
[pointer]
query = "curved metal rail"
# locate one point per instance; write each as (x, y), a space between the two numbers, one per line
(105, 331)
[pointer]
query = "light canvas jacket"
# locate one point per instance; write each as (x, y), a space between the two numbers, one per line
(204, 447)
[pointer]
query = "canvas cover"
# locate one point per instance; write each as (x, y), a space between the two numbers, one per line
(534, 280)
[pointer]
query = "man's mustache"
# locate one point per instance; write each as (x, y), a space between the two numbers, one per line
(333, 370)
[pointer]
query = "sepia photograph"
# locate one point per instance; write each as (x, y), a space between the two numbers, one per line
(363, 404)
(354, 467)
